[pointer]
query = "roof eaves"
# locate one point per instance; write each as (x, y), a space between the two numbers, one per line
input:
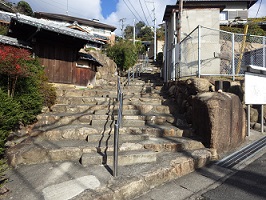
(54, 27)
(14, 42)
(87, 56)
(72, 19)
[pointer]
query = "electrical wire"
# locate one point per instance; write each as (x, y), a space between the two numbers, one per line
(135, 10)
(148, 10)
(143, 12)
(259, 8)
(130, 10)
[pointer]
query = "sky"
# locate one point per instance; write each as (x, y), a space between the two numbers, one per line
(114, 12)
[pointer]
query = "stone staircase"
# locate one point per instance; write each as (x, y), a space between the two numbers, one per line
(80, 128)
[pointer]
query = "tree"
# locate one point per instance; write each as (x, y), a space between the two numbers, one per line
(124, 53)
(145, 34)
(13, 65)
(24, 8)
(160, 32)
(128, 32)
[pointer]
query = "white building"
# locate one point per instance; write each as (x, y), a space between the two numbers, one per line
(197, 13)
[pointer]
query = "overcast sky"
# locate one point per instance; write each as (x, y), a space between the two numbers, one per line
(111, 11)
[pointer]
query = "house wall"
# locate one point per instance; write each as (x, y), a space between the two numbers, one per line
(209, 41)
(60, 64)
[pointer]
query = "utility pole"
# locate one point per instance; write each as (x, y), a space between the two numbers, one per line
(155, 39)
(122, 26)
(67, 9)
(179, 21)
(134, 31)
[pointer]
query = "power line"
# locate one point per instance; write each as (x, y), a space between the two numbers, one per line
(143, 12)
(135, 10)
(148, 10)
(259, 8)
(130, 9)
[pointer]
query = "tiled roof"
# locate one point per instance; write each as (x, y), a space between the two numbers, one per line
(58, 27)
(6, 16)
(13, 42)
(5, 7)
(87, 56)
(71, 19)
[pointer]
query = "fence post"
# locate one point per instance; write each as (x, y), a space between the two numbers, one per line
(233, 56)
(264, 52)
(128, 76)
(115, 162)
(199, 51)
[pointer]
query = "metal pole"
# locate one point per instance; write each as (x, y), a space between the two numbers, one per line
(199, 46)
(248, 125)
(264, 52)
(128, 77)
(233, 56)
(165, 54)
(174, 46)
(262, 119)
(155, 42)
(115, 162)
(134, 32)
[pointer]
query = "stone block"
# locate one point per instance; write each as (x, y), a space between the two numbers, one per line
(219, 119)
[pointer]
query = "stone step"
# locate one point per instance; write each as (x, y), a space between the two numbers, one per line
(171, 144)
(81, 108)
(84, 100)
(83, 131)
(125, 122)
(124, 158)
(109, 137)
(43, 151)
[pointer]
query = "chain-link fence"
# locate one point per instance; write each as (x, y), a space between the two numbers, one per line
(213, 52)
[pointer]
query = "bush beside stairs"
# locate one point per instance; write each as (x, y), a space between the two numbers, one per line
(80, 128)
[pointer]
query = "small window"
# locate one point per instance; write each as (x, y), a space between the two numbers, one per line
(82, 64)
(224, 15)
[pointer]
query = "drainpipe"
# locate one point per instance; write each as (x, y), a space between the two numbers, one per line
(173, 76)
(165, 53)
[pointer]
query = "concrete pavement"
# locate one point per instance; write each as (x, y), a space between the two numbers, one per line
(214, 182)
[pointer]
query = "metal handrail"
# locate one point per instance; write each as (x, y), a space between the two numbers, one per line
(131, 73)
(118, 124)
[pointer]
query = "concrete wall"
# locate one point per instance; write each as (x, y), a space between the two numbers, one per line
(209, 41)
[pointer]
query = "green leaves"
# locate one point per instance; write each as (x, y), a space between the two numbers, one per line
(124, 53)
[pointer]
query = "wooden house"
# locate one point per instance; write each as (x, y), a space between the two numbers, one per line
(58, 48)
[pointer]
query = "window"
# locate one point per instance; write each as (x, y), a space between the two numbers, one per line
(224, 15)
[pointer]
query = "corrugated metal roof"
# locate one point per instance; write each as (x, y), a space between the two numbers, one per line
(14, 42)
(58, 27)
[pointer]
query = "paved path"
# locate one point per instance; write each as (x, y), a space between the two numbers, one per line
(244, 182)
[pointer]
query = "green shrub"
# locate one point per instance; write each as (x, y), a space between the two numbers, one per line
(31, 94)
(124, 53)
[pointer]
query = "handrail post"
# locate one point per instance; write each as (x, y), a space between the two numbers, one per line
(128, 76)
(233, 56)
(115, 162)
